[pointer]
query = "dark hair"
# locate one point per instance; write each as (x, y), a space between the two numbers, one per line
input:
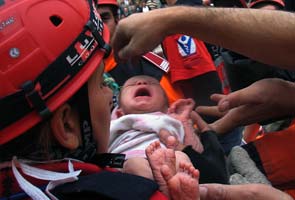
(114, 10)
(38, 143)
(34, 144)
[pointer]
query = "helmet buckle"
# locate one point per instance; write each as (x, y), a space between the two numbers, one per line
(106, 47)
(35, 99)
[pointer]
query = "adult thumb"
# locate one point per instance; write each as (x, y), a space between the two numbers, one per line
(238, 98)
(123, 54)
(212, 192)
(237, 192)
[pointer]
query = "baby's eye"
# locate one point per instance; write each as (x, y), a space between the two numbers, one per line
(129, 85)
(154, 83)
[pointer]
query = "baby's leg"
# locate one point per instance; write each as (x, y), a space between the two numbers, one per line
(157, 157)
(138, 166)
(183, 185)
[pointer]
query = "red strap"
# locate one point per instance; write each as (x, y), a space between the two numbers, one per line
(158, 61)
(158, 196)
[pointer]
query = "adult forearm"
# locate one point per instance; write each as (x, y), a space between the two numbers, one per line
(237, 192)
(263, 35)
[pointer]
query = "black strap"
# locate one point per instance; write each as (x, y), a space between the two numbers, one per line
(114, 160)
(254, 155)
(34, 93)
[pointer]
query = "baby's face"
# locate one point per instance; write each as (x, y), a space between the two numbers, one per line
(142, 94)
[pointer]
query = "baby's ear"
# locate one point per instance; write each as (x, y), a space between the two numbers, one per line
(119, 113)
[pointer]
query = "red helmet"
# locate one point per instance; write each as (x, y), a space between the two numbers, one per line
(108, 2)
(48, 50)
(279, 3)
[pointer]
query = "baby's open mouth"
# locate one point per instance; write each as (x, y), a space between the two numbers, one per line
(142, 92)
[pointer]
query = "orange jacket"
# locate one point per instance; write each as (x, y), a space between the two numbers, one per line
(189, 57)
(277, 154)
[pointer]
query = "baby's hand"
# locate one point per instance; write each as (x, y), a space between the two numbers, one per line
(181, 109)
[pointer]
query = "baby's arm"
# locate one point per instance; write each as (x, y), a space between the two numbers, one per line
(181, 110)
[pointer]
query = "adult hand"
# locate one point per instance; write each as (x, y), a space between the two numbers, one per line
(170, 141)
(237, 192)
(263, 100)
(202, 126)
(138, 34)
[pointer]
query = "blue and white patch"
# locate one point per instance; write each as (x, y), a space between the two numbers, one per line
(186, 45)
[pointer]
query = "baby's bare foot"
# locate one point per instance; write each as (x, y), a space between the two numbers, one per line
(183, 185)
(158, 157)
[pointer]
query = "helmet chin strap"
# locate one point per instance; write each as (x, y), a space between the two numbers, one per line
(87, 149)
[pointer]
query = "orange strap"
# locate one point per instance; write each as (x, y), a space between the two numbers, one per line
(253, 132)
(110, 62)
(173, 92)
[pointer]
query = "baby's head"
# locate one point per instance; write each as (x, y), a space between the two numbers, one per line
(142, 94)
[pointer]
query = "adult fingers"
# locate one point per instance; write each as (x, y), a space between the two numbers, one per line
(201, 124)
(240, 116)
(217, 97)
(169, 140)
(212, 192)
(119, 41)
(241, 97)
(129, 52)
(210, 111)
